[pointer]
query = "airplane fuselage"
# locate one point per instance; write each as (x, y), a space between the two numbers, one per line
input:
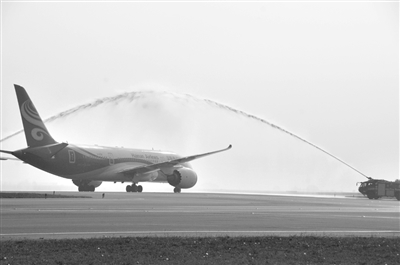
(101, 163)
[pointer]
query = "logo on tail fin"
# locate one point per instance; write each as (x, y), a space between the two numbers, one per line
(30, 114)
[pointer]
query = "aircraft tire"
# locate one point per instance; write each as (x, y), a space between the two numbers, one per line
(139, 188)
(177, 190)
(134, 188)
(128, 188)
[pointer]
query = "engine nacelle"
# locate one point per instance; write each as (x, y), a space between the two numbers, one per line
(92, 183)
(183, 178)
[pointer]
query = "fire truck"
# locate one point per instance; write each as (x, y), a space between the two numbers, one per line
(378, 188)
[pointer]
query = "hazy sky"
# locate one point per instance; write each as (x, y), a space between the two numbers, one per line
(326, 71)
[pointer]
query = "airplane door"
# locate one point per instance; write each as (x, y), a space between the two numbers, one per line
(111, 158)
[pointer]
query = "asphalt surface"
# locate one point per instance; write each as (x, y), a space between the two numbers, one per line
(196, 214)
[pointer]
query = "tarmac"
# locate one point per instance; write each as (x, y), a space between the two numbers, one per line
(196, 214)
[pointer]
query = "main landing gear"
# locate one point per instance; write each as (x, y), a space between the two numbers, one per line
(86, 188)
(134, 188)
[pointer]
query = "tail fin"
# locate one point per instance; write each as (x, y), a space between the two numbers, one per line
(36, 132)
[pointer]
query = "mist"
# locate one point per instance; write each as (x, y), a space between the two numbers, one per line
(264, 157)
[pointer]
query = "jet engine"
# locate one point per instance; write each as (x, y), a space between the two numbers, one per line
(86, 185)
(182, 178)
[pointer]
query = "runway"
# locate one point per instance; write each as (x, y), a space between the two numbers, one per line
(196, 214)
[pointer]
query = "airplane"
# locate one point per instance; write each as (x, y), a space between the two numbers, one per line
(88, 166)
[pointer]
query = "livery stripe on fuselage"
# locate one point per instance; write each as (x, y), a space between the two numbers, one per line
(78, 161)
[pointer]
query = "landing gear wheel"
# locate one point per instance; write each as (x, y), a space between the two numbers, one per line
(86, 188)
(134, 188)
(177, 190)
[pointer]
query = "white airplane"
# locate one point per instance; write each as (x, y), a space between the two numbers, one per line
(88, 166)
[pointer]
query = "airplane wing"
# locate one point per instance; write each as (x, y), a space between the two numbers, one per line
(169, 163)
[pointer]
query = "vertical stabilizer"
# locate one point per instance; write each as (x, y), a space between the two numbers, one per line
(36, 132)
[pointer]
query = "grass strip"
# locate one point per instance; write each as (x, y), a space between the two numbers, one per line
(204, 250)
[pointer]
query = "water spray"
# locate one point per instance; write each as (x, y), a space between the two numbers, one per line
(136, 95)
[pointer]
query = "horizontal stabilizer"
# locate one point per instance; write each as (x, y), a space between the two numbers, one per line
(8, 158)
(46, 151)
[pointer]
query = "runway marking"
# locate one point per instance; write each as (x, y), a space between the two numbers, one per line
(334, 215)
(257, 210)
(203, 232)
